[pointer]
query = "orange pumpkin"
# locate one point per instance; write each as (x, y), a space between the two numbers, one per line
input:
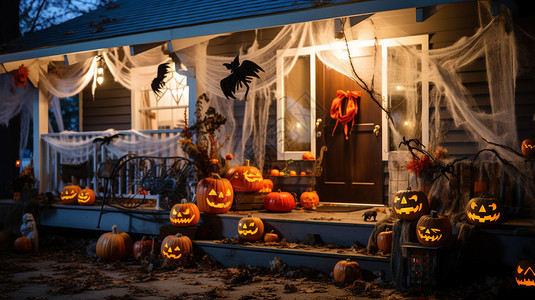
(384, 241)
(267, 186)
(271, 237)
(484, 211)
(433, 230)
(176, 248)
(308, 156)
(250, 228)
(214, 195)
(274, 172)
(184, 214)
(22, 245)
(528, 147)
(69, 194)
(86, 197)
(309, 199)
(346, 271)
(114, 245)
(293, 173)
(410, 205)
(279, 201)
(145, 248)
(245, 178)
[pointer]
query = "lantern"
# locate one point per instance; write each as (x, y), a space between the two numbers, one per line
(114, 245)
(251, 228)
(86, 197)
(483, 211)
(384, 241)
(245, 178)
(214, 195)
(410, 205)
(433, 230)
(176, 248)
(267, 186)
(279, 201)
(524, 273)
(184, 214)
(346, 271)
(528, 147)
(69, 194)
(309, 199)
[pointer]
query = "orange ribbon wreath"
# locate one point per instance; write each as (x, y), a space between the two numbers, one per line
(351, 109)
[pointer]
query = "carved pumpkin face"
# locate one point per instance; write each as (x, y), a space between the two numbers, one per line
(267, 186)
(433, 230)
(176, 248)
(251, 228)
(309, 199)
(524, 273)
(214, 195)
(245, 178)
(184, 214)
(20, 76)
(86, 197)
(410, 205)
(69, 194)
(483, 211)
(528, 147)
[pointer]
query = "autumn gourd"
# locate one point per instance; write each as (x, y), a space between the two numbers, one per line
(271, 237)
(184, 214)
(274, 172)
(145, 248)
(214, 195)
(86, 197)
(245, 178)
(114, 245)
(346, 271)
(69, 194)
(308, 156)
(528, 147)
(384, 241)
(22, 245)
(279, 201)
(309, 199)
(267, 186)
(176, 248)
(250, 228)
(484, 211)
(525, 273)
(410, 205)
(433, 230)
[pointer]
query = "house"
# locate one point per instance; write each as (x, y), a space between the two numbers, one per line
(460, 95)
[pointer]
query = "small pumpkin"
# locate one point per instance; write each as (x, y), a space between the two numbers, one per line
(214, 195)
(271, 237)
(293, 173)
(250, 228)
(69, 194)
(22, 245)
(484, 211)
(86, 197)
(347, 271)
(524, 273)
(528, 147)
(176, 248)
(410, 205)
(433, 230)
(184, 214)
(145, 248)
(309, 199)
(308, 156)
(274, 172)
(245, 178)
(279, 201)
(384, 241)
(114, 245)
(267, 186)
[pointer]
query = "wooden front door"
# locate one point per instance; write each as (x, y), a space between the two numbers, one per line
(352, 169)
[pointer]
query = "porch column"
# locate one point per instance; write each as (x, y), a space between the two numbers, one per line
(40, 126)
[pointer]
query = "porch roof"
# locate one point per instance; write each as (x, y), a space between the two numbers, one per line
(131, 22)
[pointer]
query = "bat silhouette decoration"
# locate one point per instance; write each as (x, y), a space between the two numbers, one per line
(105, 140)
(240, 74)
(158, 83)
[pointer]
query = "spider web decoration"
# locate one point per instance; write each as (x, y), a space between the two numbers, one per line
(175, 87)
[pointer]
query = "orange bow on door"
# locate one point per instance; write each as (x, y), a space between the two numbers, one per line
(350, 109)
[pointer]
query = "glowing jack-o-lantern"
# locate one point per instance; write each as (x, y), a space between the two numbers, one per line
(524, 273)
(245, 178)
(86, 197)
(184, 214)
(176, 248)
(309, 199)
(528, 147)
(267, 186)
(484, 211)
(410, 205)
(69, 194)
(214, 195)
(251, 228)
(433, 230)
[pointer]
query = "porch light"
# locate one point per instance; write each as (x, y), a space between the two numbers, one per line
(298, 125)
(406, 123)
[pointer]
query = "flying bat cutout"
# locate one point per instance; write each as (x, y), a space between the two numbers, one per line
(240, 74)
(158, 82)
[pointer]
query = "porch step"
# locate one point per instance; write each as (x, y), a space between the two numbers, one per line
(233, 255)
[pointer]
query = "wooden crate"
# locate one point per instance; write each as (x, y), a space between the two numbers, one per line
(248, 201)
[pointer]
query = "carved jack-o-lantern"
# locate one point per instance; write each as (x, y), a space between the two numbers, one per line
(410, 205)
(251, 228)
(267, 186)
(184, 214)
(214, 195)
(69, 194)
(484, 211)
(86, 197)
(176, 248)
(524, 273)
(245, 178)
(528, 147)
(433, 230)
(309, 199)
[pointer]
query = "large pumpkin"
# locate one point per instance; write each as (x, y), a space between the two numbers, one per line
(214, 195)
(176, 248)
(279, 201)
(433, 230)
(245, 178)
(114, 245)
(267, 186)
(524, 273)
(184, 214)
(309, 199)
(410, 205)
(347, 271)
(483, 211)
(86, 197)
(145, 248)
(384, 241)
(251, 228)
(69, 194)
(528, 147)
(22, 245)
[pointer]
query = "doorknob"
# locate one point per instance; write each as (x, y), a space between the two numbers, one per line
(377, 130)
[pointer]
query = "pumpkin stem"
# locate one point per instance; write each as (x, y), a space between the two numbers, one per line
(433, 214)
(249, 215)
(216, 176)
(183, 201)
(114, 229)
(143, 238)
(178, 234)
(247, 162)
